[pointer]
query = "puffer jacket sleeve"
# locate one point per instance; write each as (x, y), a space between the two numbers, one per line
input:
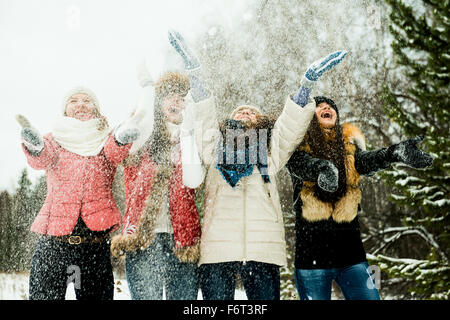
(206, 129)
(47, 156)
(114, 152)
(288, 133)
(193, 171)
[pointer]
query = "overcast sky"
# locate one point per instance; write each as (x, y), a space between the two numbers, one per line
(50, 46)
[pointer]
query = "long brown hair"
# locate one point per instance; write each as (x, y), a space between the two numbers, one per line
(169, 83)
(328, 145)
(103, 123)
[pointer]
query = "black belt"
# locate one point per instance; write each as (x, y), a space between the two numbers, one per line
(76, 240)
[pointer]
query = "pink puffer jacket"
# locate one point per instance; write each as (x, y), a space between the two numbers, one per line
(77, 185)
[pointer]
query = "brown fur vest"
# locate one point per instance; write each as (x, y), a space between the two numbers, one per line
(144, 233)
(345, 209)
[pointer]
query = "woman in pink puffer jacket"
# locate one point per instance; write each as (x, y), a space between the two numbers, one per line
(80, 157)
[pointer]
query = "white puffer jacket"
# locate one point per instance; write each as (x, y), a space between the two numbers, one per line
(246, 223)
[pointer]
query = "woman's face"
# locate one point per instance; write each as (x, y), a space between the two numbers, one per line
(246, 115)
(172, 107)
(81, 107)
(326, 115)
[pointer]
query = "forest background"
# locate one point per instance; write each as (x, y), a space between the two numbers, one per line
(394, 84)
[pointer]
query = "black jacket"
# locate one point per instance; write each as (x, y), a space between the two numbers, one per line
(328, 244)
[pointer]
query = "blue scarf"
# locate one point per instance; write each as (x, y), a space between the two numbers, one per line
(242, 159)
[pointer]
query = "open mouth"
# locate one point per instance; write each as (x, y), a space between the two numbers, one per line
(326, 115)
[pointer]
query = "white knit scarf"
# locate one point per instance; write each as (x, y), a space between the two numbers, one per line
(80, 137)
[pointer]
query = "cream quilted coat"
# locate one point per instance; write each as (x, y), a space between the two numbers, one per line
(245, 223)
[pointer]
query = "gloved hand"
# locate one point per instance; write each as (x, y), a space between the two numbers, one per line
(127, 135)
(31, 138)
(319, 67)
(314, 72)
(129, 131)
(190, 60)
(191, 65)
(328, 175)
(408, 153)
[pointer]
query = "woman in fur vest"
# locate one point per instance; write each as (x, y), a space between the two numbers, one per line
(243, 230)
(325, 171)
(80, 156)
(161, 231)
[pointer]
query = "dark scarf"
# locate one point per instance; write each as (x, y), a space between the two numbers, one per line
(246, 148)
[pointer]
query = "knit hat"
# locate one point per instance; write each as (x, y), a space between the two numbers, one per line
(170, 83)
(78, 90)
(320, 99)
(236, 110)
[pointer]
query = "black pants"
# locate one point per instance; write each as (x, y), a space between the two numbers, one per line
(261, 280)
(55, 264)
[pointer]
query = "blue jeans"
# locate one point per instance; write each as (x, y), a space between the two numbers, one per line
(261, 280)
(150, 270)
(356, 283)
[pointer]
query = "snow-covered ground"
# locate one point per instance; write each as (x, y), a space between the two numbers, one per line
(14, 286)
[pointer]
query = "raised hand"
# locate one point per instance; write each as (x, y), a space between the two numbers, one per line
(126, 135)
(179, 44)
(319, 67)
(31, 138)
(314, 72)
(408, 153)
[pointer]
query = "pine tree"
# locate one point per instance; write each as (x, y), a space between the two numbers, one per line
(421, 46)
(21, 210)
(5, 213)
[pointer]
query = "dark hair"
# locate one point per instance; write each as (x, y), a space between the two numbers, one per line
(329, 146)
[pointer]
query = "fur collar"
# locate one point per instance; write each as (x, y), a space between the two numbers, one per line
(145, 230)
(345, 209)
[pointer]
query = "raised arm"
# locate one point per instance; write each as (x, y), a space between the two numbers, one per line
(191, 66)
(200, 112)
(293, 122)
(193, 170)
(40, 152)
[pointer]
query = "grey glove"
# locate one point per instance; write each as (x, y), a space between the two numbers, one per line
(408, 153)
(191, 64)
(126, 136)
(190, 60)
(328, 178)
(31, 137)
